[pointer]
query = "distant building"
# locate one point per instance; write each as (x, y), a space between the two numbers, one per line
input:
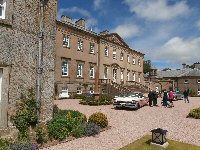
(19, 30)
(180, 79)
(83, 56)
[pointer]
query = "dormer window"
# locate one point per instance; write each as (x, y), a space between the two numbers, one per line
(133, 61)
(2, 9)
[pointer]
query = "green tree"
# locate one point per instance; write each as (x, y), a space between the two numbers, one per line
(147, 66)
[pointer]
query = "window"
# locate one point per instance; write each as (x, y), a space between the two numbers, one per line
(66, 41)
(80, 45)
(106, 72)
(106, 51)
(186, 81)
(198, 92)
(133, 61)
(91, 90)
(122, 75)
(114, 54)
(80, 70)
(2, 9)
(198, 81)
(92, 71)
(133, 76)
(122, 56)
(114, 75)
(128, 75)
(79, 91)
(139, 63)
(139, 80)
(65, 68)
(92, 48)
(128, 59)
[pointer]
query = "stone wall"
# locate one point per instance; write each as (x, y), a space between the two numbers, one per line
(19, 50)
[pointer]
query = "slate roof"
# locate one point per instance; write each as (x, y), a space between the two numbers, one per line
(192, 73)
(174, 73)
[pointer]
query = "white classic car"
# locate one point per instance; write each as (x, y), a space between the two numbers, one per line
(64, 94)
(130, 100)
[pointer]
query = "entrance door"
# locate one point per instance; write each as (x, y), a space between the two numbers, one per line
(1, 74)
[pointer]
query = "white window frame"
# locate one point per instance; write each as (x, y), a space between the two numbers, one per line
(186, 81)
(106, 51)
(122, 75)
(139, 62)
(133, 76)
(65, 69)
(91, 90)
(114, 54)
(66, 40)
(139, 79)
(128, 58)
(105, 72)
(133, 61)
(198, 80)
(92, 71)
(78, 91)
(3, 6)
(79, 70)
(115, 74)
(80, 45)
(92, 48)
(121, 56)
(198, 91)
(128, 75)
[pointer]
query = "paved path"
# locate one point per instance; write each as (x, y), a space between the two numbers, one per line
(128, 126)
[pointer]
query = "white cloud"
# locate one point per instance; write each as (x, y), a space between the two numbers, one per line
(198, 24)
(90, 21)
(157, 10)
(98, 3)
(178, 50)
(126, 30)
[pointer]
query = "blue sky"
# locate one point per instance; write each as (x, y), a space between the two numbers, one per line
(166, 31)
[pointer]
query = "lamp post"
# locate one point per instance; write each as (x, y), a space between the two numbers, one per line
(159, 137)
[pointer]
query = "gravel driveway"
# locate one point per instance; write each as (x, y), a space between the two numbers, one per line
(128, 126)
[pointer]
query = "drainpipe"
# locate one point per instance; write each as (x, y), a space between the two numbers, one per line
(40, 51)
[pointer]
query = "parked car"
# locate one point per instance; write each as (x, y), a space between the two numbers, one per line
(64, 94)
(178, 95)
(130, 100)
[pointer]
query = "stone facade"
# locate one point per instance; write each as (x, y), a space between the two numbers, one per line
(93, 58)
(18, 54)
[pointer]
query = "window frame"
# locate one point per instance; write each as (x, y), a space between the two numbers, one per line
(128, 75)
(3, 11)
(122, 75)
(105, 72)
(66, 39)
(186, 81)
(133, 76)
(92, 71)
(198, 81)
(139, 62)
(134, 61)
(80, 45)
(128, 58)
(121, 56)
(106, 51)
(79, 72)
(65, 73)
(92, 48)
(114, 54)
(79, 90)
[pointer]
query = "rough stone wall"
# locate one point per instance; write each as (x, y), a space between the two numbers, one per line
(19, 49)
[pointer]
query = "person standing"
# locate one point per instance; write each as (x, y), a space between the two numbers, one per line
(150, 95)
(165, 99)
(155, 97)
(186, 93)
(171, 97)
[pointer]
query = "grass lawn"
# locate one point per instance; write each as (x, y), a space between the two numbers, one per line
(144, 144)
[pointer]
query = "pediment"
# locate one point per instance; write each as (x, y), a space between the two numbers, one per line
(114, 37)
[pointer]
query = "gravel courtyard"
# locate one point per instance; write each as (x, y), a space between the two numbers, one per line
(128, 126)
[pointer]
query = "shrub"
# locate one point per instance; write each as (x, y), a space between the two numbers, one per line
(91, 129)
(78, 131)
(5, 145)
(26, 114)
(195, 113)
(99, 118)
(41, 134)
(65, 123)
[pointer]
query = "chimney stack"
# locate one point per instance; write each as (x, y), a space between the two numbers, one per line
(80, 22)
(105, 32)
(65, 19)
(184, 65)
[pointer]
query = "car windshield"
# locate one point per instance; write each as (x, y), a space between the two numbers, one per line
(131, 94)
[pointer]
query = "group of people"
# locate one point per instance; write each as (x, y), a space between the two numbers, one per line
(167, 100)
(153, 98)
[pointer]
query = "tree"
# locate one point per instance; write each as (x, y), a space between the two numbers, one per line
(147, 66)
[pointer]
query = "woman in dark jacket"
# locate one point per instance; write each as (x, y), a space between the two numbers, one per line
(165, 99)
